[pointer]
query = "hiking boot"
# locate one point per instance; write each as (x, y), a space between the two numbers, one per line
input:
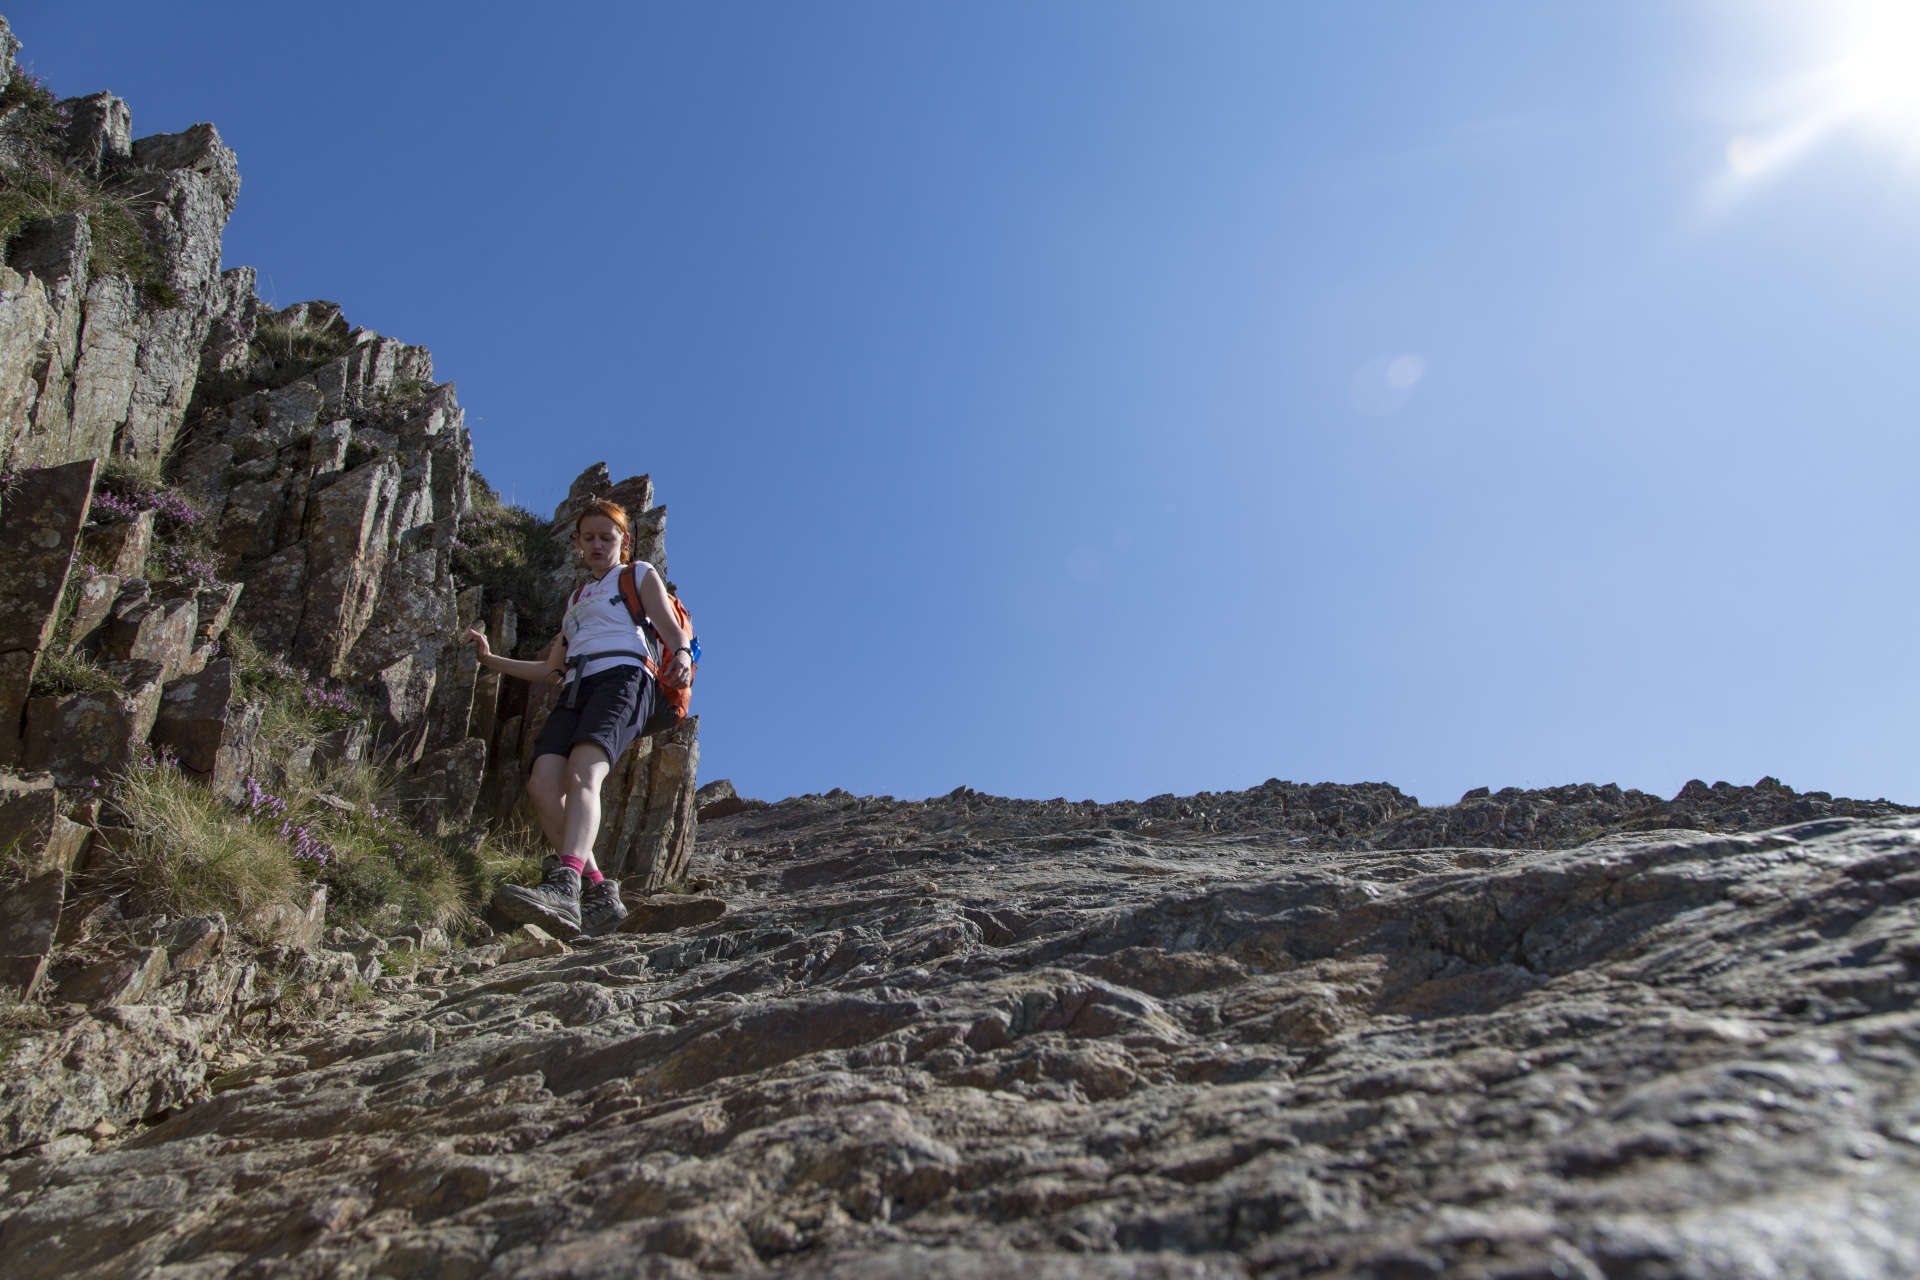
(553, 904)
(601, 910)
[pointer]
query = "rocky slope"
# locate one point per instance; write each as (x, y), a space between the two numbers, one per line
(930, 1038)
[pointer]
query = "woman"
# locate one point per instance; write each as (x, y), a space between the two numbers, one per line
(606, 696)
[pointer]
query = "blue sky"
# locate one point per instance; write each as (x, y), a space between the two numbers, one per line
(1102, 399)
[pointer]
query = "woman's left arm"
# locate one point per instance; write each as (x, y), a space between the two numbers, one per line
(653, 596)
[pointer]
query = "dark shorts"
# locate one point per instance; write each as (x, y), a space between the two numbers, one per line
(613, 705)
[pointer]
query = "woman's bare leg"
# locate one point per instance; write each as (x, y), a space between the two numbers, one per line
(586, 768)
(547, 788)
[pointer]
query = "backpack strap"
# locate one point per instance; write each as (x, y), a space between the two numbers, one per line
(630, 592)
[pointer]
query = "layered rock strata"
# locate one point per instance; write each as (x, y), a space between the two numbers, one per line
(914, 1044)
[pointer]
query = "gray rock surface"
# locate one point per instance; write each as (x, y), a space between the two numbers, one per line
(79, 737)
(210, 731)
(41, 513)
(923, 1041)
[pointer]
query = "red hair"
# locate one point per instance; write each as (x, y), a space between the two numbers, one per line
(614, 512)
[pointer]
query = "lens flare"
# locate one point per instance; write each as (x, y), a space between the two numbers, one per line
(1879, 75)
(1863, 75)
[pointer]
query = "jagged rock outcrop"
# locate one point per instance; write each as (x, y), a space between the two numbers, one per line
(921, 1041)
(326, 480)
(96, 365)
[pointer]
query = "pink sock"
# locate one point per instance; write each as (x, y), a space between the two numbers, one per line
(592, 875)
(573, 864)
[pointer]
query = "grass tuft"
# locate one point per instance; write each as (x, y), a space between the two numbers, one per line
(287, 345)
(296, 710)
(61, 672)
(40, 184)
(379, 862)
(508, 550)
(190, 852)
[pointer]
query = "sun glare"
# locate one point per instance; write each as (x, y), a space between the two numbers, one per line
(1879, 74)
(1865, 75)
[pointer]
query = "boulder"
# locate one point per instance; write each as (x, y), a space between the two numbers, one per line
(654, 831)
(146, 627)
(194, 941)
(24, 317)
(199, 150)
(92, 606)
(719, 800)
(217, 601)
(52, 253)
(530, 942)
(444, 785)
(127, 977)
(119, 547)
(79, 737)
(41, 514)
(345, 745)
(665, 912)
(456, 683)
(41, 847)
(120, 1065)
(297, 925)
(272, 604)
(346, 535)
(108, 365)
(215, 736)
(402, 692)
(183, 211)
(99, 133)
(235, 313)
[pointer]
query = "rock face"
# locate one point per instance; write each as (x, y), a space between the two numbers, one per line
(320, 481)
(42, 845)
(914, 1045)
(113, 360)
(210, 731)
(41, 514)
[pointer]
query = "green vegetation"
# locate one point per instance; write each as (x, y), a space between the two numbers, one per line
(507, 549)
(406, 390)
(189, 851)
(296, 711)
(42, 185)
(378, 861)
(287, 345)
(345, 825)
(183, 546)
(61, 671)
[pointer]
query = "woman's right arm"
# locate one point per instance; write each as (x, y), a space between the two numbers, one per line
(543, 671)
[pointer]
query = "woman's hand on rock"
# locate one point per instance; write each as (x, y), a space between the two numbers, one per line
(476, 636)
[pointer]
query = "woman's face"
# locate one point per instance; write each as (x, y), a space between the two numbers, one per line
(597, 539)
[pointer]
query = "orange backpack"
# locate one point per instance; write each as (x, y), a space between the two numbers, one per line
(671, 707)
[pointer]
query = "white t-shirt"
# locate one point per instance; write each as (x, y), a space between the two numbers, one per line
(597, 620)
